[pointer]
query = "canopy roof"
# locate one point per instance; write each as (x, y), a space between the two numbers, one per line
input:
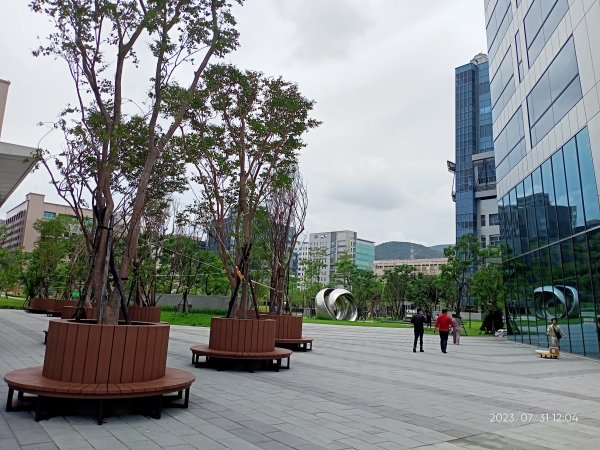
(16, 161)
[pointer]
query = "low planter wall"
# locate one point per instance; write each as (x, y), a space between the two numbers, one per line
(59, 305)
(136, 313)
(85, 352)
(41, 304)
(288, 327)
(143, 314)
(242, 335)
(68, 312)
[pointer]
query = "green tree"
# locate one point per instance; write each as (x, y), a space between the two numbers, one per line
(10, 263)
(104, 42)
(56, 261)
(487, 284)
(463, 260)
(312, 266)
(244, 133)
(344, 271)
(401, 286)
(366, 289)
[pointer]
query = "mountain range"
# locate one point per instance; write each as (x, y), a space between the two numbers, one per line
(408, 250)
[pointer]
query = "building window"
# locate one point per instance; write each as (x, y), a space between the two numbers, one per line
(497, 25)
(483, 242)
(494, 239)
(557, 91)
(502, 85)
(558, 200)
(494, 220)
(540, 22)
(483, 220)
(49, 215)
(509, 146)
(519, 56)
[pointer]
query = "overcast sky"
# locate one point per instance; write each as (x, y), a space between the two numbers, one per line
(381, 73)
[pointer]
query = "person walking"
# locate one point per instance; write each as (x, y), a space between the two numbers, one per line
(456, 328)
(418, 320)
(554, 333)
(443, 324)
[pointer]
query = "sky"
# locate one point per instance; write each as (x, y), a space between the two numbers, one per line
(380, 71)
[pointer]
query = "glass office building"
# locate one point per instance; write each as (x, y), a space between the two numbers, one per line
(475, 196)
(545, 67)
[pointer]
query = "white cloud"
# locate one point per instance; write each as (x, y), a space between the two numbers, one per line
(381, 72)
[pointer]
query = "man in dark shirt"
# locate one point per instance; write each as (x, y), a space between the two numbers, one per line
(418, 320)
(443, 323)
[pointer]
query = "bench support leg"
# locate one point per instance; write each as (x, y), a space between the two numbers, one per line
(9, 400)
(186, 399)
(38, 408)
(158, 407)
(100, 412)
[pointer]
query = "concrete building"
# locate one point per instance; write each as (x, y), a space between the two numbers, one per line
(427, 266)
(545, 68)
(21, 218)
(475, 171)
(16, 161)
(332, 245)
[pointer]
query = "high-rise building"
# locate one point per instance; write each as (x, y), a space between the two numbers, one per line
(544, 69)
(330, 246)
(475, 171)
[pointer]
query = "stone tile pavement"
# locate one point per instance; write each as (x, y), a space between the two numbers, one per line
(360, 388)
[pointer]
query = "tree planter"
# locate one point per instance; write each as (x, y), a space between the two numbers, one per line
(136, 313)
(288, 327)
(246, 340)
(289, 331)
(85, 360)
(41, 305)
(242, 335)
(85, 352)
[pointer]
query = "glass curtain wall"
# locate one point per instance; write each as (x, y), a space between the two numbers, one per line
(550, 235)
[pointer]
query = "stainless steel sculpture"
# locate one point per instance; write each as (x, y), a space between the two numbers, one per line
(556, 301)
(338, 304)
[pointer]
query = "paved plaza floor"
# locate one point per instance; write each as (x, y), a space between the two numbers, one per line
(360, 388)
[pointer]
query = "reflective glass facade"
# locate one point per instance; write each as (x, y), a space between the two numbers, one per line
(475, 167)
(547, 165)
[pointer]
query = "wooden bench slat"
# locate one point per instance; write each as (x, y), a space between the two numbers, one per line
(140, 353)
(129, 354)
(117, 355)
(91, 354)
(105, 353)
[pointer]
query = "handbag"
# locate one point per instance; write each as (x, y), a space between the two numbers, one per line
(558, 334)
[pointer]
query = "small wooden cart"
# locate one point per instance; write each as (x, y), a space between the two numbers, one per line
(552, 352)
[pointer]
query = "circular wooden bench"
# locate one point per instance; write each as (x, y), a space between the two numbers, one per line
(215, 358)
(85, 360)
(245, 340)
(31, 381)
(288, 332)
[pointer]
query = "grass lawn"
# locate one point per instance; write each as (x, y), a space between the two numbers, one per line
(11, 302)
(202, 319)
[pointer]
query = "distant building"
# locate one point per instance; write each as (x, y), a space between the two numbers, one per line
(475, 170)
(428, 266)
(333, 245)
(21, 218)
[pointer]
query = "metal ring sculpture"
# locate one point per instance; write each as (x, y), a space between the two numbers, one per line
(564, 300)
(338, 304)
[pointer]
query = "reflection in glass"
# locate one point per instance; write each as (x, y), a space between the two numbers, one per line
(573, 187)
(588, 179)
(563, 212)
